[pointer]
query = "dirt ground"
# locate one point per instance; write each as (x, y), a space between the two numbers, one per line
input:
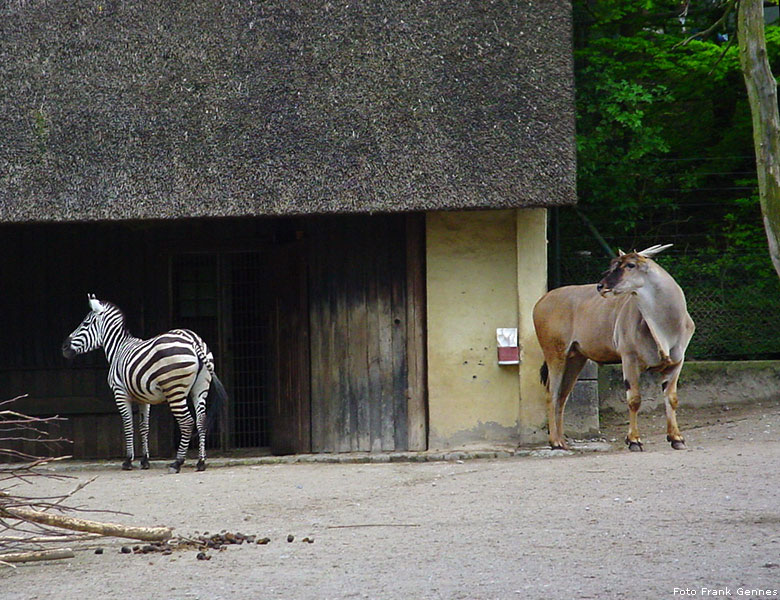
(657, 524)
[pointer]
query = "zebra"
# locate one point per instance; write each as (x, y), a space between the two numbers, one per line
(167, 368)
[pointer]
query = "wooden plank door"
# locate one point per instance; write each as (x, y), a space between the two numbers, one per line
(367, 334)
(290, 415)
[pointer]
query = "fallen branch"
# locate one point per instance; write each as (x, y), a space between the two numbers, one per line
(373, 525)
(36, 555)
(66, 537)
(147, 534)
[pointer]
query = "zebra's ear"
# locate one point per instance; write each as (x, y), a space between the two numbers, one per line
(95, 304)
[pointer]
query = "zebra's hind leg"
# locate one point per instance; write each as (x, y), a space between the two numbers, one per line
(144, 410)
(175, 466)
(200, 390)
(183, 418)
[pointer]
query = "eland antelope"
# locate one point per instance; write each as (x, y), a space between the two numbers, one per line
(635, 315)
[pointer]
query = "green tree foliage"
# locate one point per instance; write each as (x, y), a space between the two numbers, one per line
(665, 154)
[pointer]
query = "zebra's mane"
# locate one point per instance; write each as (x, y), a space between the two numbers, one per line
(113, 308)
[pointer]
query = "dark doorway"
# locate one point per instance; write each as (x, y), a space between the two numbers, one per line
(316, 325)
(223, 296)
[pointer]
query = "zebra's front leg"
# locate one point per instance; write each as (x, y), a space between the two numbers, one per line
(144, 427)
(183, 418)
(126, 411)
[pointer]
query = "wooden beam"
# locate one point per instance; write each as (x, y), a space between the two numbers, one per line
(417, 413)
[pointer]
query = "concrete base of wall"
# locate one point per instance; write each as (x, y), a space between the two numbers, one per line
(581, 419)
(711, 383)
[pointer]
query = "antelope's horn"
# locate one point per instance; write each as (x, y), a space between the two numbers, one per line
(653, 250)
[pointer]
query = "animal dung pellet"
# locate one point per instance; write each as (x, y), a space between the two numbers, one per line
(203, 556)
(99, 551)
(290, 538)
(126, 550)
(308, 540)
(263, 541)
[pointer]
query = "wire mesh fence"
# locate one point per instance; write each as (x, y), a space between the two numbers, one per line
(736, 315)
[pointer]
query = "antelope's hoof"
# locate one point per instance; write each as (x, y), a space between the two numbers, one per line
(127, 465)
(677, 444)
(558, 446)
(201, 465)
(144, 463)
(635, 446)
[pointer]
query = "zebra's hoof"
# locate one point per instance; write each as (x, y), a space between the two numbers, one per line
(201, 465)
(174, 467)
(144, 463)
(127, 465)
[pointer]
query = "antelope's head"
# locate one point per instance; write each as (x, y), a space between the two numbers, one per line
(629, 271)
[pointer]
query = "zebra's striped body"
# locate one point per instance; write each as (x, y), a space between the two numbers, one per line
(167, 368)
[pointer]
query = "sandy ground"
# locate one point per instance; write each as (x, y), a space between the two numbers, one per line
(591, 525)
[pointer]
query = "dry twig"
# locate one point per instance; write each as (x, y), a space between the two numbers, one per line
(27, 515)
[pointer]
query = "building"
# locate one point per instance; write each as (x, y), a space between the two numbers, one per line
(344, 199)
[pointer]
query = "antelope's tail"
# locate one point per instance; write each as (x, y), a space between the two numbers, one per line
(544, 375)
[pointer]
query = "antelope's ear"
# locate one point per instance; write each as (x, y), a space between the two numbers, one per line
(621, 253)
(653, 250)
(95, 304)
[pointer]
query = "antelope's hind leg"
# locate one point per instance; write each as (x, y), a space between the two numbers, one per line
(562, 376)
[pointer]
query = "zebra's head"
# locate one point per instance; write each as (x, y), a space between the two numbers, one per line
(88, 335)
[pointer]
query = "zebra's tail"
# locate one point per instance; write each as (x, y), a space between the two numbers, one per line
(214, 401)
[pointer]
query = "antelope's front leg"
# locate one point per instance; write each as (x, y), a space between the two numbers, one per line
(634, 401)
(669, 385)
(126, 411)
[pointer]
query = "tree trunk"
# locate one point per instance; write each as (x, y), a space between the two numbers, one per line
(762, 93)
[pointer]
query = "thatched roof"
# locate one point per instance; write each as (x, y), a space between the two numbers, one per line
(138, 109)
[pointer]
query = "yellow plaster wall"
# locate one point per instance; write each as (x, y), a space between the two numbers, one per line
(532, 284)
(485, 270)
(471, 282)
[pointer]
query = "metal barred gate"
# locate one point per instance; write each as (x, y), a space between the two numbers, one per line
(223, 297)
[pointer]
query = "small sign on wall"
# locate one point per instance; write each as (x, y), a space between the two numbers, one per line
(508, 352)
